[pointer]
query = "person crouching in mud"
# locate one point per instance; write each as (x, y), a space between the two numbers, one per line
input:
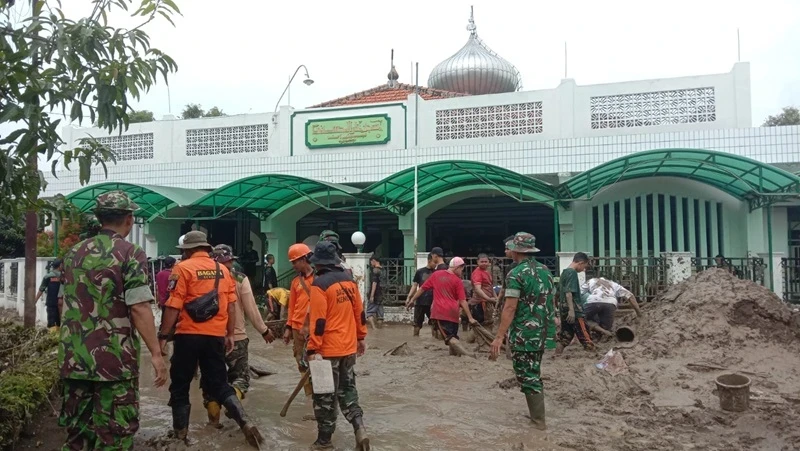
(448, 296)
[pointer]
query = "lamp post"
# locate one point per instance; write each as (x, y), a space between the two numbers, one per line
(308, 82)
(358, 238)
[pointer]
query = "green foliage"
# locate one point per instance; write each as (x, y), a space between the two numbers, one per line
(140, 116)
(196, 111)
(192, 111)
(28, 376)
(789, 116)
(50, 66)
(214, 112)
(12, 238)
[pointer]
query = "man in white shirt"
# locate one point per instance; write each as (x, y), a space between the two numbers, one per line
(601, 302)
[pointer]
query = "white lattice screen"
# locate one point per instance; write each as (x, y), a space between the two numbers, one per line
(644, 109)
(489, 121)
(138, 146)
(227, 140)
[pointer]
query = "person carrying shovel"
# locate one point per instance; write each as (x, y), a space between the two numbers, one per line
(338, 329)
(448, 297)
(526, 314)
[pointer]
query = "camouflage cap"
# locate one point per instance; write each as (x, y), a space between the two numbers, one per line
(523, 242)
(331, 236)
(223, 253)
(115, 200)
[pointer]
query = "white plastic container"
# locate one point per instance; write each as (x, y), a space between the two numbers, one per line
(321, 377)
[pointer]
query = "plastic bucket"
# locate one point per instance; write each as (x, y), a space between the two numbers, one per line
(734, 392)
(322, 375)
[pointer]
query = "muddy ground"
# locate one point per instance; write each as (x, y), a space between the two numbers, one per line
(430, 400)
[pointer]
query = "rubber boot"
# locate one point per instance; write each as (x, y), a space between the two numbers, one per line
(458, 349)
(213, 408)
(180, 421)
(416, 331)
(323, 441)
(536, 408)
(236, 413)
(371, 321)
(362, 440)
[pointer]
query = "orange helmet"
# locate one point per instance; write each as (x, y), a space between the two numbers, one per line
(298, 251)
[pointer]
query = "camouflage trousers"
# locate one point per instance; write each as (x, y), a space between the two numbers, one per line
(528, 369)
(238, 369)
(344, 379)
(100, 415)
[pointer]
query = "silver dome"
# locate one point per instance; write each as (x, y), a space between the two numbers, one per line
(475, 69)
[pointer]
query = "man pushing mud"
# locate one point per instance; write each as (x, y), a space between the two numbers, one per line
(527, 312)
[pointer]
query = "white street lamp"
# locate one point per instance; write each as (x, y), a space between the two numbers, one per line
(358, 238)
(308, 82)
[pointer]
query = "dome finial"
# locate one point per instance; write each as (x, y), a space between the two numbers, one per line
(473, 30)
(393, 75)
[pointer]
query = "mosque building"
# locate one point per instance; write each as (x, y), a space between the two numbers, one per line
(628, 172)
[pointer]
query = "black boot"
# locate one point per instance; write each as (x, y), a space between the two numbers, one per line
(180, 421)
(362, 440)
(235, 411)
(323, 441)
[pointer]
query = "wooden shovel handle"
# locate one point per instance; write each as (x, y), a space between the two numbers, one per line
(297, 389)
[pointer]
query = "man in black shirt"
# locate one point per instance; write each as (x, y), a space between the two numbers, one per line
(422, 307)
(270, 281)
(249, 260)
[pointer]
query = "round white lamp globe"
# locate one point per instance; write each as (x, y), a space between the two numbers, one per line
(358, 238)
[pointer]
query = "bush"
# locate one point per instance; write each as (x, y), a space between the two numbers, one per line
(28, 376)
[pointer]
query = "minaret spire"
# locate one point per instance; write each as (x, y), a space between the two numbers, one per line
(393, 75)
(473, 30)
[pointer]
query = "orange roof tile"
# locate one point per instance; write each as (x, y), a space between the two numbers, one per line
(385, 93)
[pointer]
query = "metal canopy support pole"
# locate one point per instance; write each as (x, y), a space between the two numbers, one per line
(769, 244)
(556, 228)
(416, 171)
(360, 220)
(55, 236)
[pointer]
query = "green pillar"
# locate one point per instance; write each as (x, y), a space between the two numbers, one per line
(56, 223)
(769, 244)
(556, 229)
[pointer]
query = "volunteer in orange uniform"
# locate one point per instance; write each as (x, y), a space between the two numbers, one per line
(299, 293)
(338, 328)
(199, 340)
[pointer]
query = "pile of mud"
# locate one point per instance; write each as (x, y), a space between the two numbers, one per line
(716, 310)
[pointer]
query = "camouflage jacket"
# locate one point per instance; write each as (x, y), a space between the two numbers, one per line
(103, 277)
(533, 285)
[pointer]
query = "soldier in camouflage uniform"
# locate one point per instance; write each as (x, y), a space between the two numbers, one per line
(106, 296)
(527, 313)
(236, 360)
(338, 328)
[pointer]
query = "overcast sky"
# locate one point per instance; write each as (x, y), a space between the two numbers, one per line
(239, 55)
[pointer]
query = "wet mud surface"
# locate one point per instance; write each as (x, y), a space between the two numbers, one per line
(428, 400)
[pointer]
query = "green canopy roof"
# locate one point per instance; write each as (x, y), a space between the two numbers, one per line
(738, 176)
(152, 199)
(268, 193)
(437, 178)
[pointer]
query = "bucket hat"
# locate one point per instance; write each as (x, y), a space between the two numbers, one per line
(330, 235)
(194, 239)
(223, 253)
(325, 254)
(524, 243)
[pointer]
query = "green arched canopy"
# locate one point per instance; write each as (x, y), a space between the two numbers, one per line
(152, 199)
(742, 178)
(396, 192)
(268, 193)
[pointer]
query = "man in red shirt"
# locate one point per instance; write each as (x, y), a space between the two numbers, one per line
(483, 297)
(448, 296)
(162, 281)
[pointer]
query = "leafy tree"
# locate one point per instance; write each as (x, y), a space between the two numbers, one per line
(52, 65)
(140, 116)
(789, 116)
(192, 111)
(214, 112)
(12, 237)
(196, 111)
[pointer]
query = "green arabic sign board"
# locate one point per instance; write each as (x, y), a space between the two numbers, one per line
(348, 131)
